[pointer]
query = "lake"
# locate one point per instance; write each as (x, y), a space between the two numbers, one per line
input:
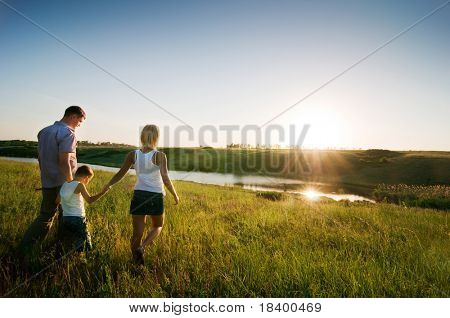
(312, 191)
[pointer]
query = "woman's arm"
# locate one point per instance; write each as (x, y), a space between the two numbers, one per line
(128, 162)
(84, 192)
(165, 175)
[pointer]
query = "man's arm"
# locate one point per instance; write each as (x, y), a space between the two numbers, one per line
(67, 144)
(64, 165)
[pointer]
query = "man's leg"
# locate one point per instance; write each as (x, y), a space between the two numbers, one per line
(43, 222)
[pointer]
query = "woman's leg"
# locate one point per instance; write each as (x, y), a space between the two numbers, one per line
(157, 225)
(138, 231)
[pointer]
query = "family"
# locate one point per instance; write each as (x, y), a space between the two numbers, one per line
(64, 186)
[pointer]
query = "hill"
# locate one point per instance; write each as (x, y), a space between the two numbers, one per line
(229, 242)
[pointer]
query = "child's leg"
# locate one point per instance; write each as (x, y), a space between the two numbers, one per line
(71, 232)
(138, 231)
(157, 225)
(82, 240)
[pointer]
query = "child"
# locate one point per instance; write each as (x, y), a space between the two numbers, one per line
(72, 196)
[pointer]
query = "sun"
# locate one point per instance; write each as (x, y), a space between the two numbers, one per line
(311, 194)
(324, 128)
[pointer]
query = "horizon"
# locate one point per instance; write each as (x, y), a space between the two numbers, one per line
(230, 64)
(262, 147)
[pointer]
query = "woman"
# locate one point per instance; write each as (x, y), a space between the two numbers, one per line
(148, 197)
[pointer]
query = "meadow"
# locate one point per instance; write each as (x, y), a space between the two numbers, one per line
(229, 242)
(436, 197)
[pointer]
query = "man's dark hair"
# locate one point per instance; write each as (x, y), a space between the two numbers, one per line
(84, 171)
(75, 110)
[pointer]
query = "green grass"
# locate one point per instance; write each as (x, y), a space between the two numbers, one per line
(231, 243)
(436, 197)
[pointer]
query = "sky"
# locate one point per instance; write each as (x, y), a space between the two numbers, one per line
(216, 63)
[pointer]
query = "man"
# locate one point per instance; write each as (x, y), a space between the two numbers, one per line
(57, 162)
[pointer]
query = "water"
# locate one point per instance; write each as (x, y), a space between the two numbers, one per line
(312, 193)
(248, 182)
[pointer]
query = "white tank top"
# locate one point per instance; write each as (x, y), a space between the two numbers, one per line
(148, 174)
(72, 204)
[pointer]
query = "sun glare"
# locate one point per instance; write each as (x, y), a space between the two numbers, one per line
(311, 194)
(325, 128)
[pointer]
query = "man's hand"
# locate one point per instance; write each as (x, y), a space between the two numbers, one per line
(64, 165)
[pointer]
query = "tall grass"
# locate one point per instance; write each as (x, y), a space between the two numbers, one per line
(435, 196)
(230, 243)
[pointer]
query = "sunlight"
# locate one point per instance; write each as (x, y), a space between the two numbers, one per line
(311, 194)
(325, 127)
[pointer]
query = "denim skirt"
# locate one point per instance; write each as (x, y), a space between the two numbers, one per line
(147, 203)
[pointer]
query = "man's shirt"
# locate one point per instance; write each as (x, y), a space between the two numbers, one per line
(53, 140)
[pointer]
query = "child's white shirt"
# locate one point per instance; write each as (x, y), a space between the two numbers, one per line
(72, 203)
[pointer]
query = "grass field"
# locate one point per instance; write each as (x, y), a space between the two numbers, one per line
(223, 242)
(436, 197)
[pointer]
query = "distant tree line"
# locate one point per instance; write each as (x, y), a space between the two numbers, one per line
(81, 143)
(249, 146)
(86, 143)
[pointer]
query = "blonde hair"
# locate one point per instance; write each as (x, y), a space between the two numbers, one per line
(149, 136)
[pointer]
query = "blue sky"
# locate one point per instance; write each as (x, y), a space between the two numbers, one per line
(231, 62)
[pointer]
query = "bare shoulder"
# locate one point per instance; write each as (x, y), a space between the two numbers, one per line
(160, 157)
(80, 187)
(130, 156)
(161, 154)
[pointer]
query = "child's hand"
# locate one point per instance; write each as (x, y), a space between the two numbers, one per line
(177, 199)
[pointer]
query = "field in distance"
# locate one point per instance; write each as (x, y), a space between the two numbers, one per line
(362, 168)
